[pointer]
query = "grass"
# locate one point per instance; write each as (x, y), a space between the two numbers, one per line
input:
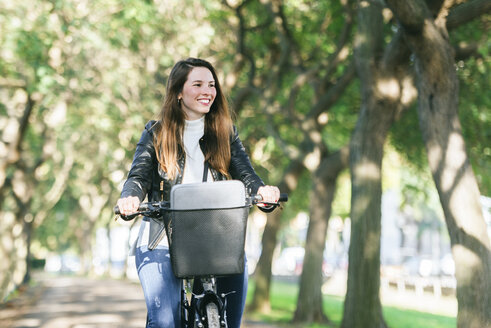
(283, 303)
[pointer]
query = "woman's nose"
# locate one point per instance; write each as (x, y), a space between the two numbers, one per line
(207, 90)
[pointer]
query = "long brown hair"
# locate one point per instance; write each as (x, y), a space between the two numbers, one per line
(168, 138)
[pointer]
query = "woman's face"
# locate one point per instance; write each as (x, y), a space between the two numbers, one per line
(198, 93)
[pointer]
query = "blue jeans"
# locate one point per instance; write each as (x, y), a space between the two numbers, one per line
(162, 290)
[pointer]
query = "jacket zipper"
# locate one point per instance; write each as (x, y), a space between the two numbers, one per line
(162, 190)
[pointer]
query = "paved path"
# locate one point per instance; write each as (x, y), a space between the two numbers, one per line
(78, 302)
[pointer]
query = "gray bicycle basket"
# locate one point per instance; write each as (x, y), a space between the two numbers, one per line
(207, 228)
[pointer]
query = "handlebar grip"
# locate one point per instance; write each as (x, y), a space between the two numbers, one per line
(283, 198)
(141, 207)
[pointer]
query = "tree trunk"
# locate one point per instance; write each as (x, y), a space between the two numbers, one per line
(27, 232)
(381, 94)
(458, 191)
(309, 302)
(91, 204)
(13, 252)
(13, 154)
(449, 163)
(362, 303)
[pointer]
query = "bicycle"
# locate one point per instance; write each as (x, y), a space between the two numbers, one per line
(195, 215)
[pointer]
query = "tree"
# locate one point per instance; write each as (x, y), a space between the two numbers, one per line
(425, 28)
(23, 69)
(382, 84)
(309, 304)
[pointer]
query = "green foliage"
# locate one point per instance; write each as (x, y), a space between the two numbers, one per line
(342, 118)
(405, 137)
(341, 205)
(475, 99)
(475, 115)
(55, 234)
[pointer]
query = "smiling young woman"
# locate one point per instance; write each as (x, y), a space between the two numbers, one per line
(194, 127)
(193, 91)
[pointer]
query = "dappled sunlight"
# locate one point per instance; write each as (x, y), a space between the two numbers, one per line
(57, 116)
(368, 171)
(409, 91)
(11, 130)
(372, 246)
(456, 157)
(360, 39)
(111, 320)
(291, 181)
(81, 302)
(466, 274)
(388, 88)
(117, 176)
(6, 243)
(323, 118)
(344, 53)
(3, 149)
(360, 206)
(435, 154)
(312, 160)
(259, 152)
(12, 248)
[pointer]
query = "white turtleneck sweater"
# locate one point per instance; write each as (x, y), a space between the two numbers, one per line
(193, 171)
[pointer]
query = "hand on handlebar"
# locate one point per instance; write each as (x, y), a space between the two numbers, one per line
(128, 205)
(269, 194)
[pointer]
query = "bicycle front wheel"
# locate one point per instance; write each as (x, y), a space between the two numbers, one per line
(212, 316)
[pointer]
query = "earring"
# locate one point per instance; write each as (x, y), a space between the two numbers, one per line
(179, 101)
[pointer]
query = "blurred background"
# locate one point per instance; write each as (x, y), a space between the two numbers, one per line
(311, 83)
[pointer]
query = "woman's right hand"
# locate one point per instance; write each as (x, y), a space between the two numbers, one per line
(128, 205)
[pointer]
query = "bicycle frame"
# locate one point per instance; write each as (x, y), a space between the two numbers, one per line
(207, 309)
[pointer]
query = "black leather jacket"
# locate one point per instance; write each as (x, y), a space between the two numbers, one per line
(146, 178)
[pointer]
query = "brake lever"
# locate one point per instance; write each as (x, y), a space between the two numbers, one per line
(128, 217)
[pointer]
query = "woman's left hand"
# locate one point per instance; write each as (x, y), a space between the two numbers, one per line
(270, 194)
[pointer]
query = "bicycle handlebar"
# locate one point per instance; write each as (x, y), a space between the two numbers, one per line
(156, 208)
